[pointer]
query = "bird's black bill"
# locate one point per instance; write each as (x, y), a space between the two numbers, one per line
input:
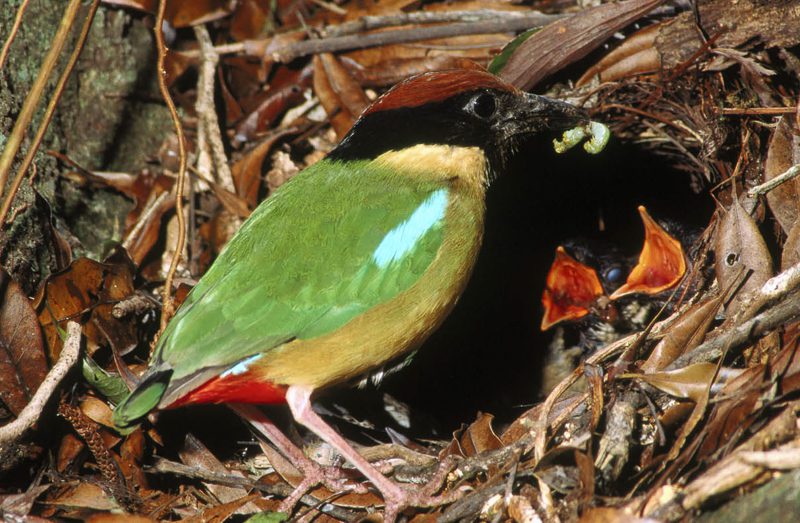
(533, 114)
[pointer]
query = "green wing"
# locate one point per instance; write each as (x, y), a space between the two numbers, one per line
(330, 244)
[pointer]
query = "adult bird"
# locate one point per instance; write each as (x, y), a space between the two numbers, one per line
(349, 265)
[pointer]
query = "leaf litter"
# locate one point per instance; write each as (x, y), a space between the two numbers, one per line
(661, 424)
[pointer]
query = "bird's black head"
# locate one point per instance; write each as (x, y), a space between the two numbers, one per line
(464, 107)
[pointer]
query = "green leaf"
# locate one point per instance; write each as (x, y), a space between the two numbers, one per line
(499, 61)
(268, 517)
(109, 385)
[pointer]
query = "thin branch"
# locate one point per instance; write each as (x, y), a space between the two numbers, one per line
(10, 433)
(369, 23)
(166, 312)
(752, 111)
(743, 334)
(144, 217)
(13, 34)
(289, 52)
(165, 466)
(769, 185)
(35, 94)
(207, 111)
(49, 112)
(347, 36)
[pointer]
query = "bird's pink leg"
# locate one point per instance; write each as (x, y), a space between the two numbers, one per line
(313, 473)
(395, 497)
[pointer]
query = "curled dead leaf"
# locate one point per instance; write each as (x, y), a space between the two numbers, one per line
(742, 260)
(562, 42)
(783, 152)
(339, 93)
(685, 334)
(23, 364)
(636, 55)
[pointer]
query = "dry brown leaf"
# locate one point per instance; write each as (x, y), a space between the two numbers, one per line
(86, 495)
(88, 286)
(273, 103)
(249, 19)
(97, 411)
(393, 70)
(690, 382)
(195, 454)
(340, 95)
(636, 55)
(69, 450)
(23, 364)
(15, 507)
(247, 170)
(479, 436)
(181, 13)
(119, 518)
(783, 152)
(740, 255)
(790, 255)
(148, 231)
(612, 515)
(687, 333)
(562, 42)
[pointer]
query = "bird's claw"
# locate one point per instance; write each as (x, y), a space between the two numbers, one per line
(403, 498)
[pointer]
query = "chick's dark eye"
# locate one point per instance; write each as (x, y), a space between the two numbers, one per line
(614, 275)
(482, 105)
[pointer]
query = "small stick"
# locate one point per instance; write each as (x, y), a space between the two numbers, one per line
(30, 414)
(206, 110)
(767, 186)
(13, 34)
(48, 114)
(750, 111)
(25, 115)
(168, 305)
(342, 41)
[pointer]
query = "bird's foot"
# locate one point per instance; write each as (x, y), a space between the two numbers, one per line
(332, 478)
(400, 498)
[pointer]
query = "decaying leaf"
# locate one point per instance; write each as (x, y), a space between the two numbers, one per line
(790, 255)
(742, 259)
(690, 382)
(564, 41)
(783, 152)
(23, 364)
(87, 291)
(687, 333)
(636, 55)
(341, 96)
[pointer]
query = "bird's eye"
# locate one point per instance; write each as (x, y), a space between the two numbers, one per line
(614, 275)
(482, 105)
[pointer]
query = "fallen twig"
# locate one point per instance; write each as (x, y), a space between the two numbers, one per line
(13, 33)
(25, 115)
(289, 52)
(167, 308)
(10, 433)
(165, 466)
(742, 334)
(49, 112)
(767, 186)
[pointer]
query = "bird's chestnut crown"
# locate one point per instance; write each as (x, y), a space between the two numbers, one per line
(464, 107)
